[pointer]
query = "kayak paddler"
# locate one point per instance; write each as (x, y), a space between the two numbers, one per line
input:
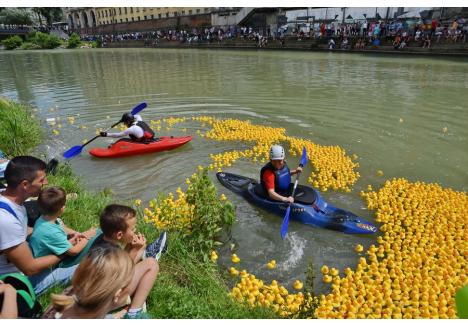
(275, 176)
(137, 129)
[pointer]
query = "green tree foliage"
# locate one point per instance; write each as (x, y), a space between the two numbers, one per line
(74, 41)
(13, 16)
(51, 14)
(12, 42)
(45, 41)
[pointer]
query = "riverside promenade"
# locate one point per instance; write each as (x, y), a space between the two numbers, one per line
(300, 44)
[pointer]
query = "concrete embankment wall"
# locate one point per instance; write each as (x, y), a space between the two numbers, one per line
(458, 49)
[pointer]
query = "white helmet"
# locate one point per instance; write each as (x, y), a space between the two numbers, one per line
(276, 152)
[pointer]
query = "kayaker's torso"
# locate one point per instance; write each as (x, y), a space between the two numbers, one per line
(279, 180)
(139, 131)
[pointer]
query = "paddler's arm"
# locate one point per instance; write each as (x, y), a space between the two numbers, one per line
(275, 196)
(296, 171)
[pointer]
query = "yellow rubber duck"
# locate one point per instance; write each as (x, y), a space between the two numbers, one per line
(271, 264)
(298, 285)
(325, 270)
(214, 256)
(233, 271)
(359, 248)
(235, 259)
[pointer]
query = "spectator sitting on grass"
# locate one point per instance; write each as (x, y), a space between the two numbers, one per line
(118, 225)
(101, 282)
(25, 176)
(51, 236)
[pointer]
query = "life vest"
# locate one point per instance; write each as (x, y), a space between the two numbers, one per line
(148, 133)
(282, 178)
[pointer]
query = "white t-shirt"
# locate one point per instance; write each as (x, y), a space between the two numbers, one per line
(13, 231)
(133, 130)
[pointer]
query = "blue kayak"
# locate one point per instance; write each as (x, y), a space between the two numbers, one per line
(308, 207)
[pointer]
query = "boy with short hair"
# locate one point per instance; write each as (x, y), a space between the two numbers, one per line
(118, 225)
(50, 235)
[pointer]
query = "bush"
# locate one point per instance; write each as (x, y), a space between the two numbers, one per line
(74, 41)
(45, 41)
(198, 214)
(12, 42)
(29, 46)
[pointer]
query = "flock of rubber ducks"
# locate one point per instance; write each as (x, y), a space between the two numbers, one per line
(417, 265)
(412, 272)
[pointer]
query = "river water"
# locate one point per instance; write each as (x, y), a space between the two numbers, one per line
(406, 116)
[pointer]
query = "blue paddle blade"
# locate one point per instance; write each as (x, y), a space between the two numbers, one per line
(139, 107)
(75, 150)
(304, 157)
(284, 226)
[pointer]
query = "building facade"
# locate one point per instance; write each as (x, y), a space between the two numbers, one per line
(79, 18)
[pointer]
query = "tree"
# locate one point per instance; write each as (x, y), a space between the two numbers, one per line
(13, 16)
(51, 14)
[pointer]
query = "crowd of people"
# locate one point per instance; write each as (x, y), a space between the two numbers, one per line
(110, 268)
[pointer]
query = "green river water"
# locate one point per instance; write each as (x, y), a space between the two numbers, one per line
(406, 116)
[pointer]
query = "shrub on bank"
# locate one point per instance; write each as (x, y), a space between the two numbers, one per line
(12, 42)
(19, 131)
(44, 41)
(29, 46)
(74, 41)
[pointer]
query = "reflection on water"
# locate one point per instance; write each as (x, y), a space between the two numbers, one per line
(406, 116)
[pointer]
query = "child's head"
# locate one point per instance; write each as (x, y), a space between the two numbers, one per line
(99, 281)
(51, 201)
(118, 222)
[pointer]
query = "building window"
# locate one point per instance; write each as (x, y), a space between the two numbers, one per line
(175, 13)
(133, 19)
(198, 11)
(190, 12)
(138, 9)
(152, 16)
(159, 15)
(138, 18)
(125, 10)
(131, 10)
(144, 8)
(121, 20)
(144, 17)
(183, 12)
(167, 14)
(126, 19)
(106, 13)
(120, 11)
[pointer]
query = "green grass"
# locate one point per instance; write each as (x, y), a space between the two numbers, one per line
(186, 287)
(19, 131)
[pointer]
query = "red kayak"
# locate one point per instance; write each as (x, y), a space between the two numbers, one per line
(126, 147)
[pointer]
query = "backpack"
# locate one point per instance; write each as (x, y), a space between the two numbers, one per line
(26, 300)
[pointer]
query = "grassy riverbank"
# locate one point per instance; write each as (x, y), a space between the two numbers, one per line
(188, 286)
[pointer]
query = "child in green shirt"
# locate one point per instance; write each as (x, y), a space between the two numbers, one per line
(50, 235)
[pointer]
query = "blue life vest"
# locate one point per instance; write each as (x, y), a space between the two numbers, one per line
(282, 178)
